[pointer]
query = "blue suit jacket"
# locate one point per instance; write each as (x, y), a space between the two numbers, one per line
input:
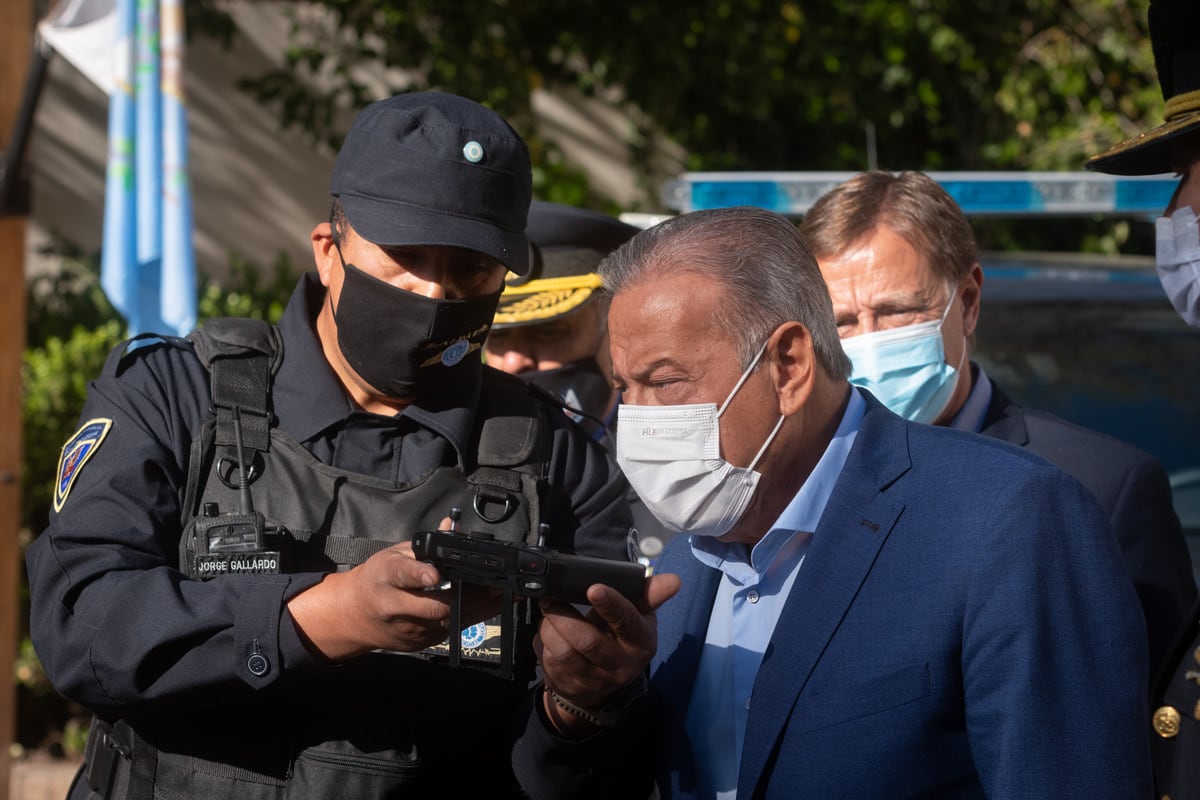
(960, 627)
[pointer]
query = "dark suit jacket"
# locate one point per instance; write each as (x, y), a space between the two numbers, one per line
(962, 626)
(1132, 488)
(1176, 742)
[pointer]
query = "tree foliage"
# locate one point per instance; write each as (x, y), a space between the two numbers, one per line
(757, 84)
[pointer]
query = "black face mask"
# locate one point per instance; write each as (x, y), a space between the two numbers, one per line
(579, 384)
(406, 345)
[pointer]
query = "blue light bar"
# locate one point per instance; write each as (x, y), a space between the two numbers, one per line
(978, 193)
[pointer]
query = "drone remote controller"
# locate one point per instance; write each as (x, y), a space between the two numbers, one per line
(528, 571)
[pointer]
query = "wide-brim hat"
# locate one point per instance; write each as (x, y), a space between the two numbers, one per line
(429, 168)
(566, 246)
(1175, 37)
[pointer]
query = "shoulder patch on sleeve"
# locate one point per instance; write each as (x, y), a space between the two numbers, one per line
(75, 453)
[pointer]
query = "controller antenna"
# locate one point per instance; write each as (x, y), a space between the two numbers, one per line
(455, 516)
(543, 533)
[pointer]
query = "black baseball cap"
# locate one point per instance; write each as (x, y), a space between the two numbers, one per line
(430, 168)
(567, 244)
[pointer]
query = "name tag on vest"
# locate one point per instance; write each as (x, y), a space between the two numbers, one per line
(255, 562)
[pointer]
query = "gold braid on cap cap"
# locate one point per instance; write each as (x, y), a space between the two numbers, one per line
(588, 281)
(541, 306)
(544, 299)
(1182, 104)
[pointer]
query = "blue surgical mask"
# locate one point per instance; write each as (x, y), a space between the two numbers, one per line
(905, 368)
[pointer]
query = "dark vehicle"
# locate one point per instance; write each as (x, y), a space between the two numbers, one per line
(1095, 341)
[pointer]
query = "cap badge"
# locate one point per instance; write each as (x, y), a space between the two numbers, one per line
(473, 151)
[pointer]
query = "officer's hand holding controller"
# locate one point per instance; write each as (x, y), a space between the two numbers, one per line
(384, 603)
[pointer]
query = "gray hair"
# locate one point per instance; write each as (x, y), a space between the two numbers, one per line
(757, 257)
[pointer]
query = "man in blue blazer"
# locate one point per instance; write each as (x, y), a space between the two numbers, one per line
(870, 608)
(900, 260)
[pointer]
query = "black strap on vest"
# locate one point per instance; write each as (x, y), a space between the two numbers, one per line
(345, 551)
(242, 355)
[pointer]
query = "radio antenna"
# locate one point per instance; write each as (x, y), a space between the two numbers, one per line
(243, 480)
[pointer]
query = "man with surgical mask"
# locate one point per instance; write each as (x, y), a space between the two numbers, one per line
(228, 580)
(870, 607)
(899, 257)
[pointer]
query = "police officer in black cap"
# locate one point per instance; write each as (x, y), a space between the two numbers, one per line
(227, 579)
(1174, 146)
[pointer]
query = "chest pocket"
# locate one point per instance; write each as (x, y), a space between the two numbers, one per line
(873, 696)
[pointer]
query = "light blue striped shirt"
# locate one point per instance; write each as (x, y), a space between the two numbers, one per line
(750, 597)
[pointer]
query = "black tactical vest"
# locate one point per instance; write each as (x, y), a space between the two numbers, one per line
(383, 725)
(323, 518)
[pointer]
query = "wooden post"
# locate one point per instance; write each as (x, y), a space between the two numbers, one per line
(16, 46)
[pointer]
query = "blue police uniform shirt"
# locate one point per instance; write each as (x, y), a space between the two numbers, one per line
(750, 597)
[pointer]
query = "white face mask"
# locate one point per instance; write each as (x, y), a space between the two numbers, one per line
(905, 368)
(672, 458)
(1177, 257)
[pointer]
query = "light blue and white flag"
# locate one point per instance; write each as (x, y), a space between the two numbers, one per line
(178, 303)
(148, 265)
(118, 255)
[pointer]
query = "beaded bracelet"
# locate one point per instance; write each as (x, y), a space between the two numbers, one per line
(608, 714)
